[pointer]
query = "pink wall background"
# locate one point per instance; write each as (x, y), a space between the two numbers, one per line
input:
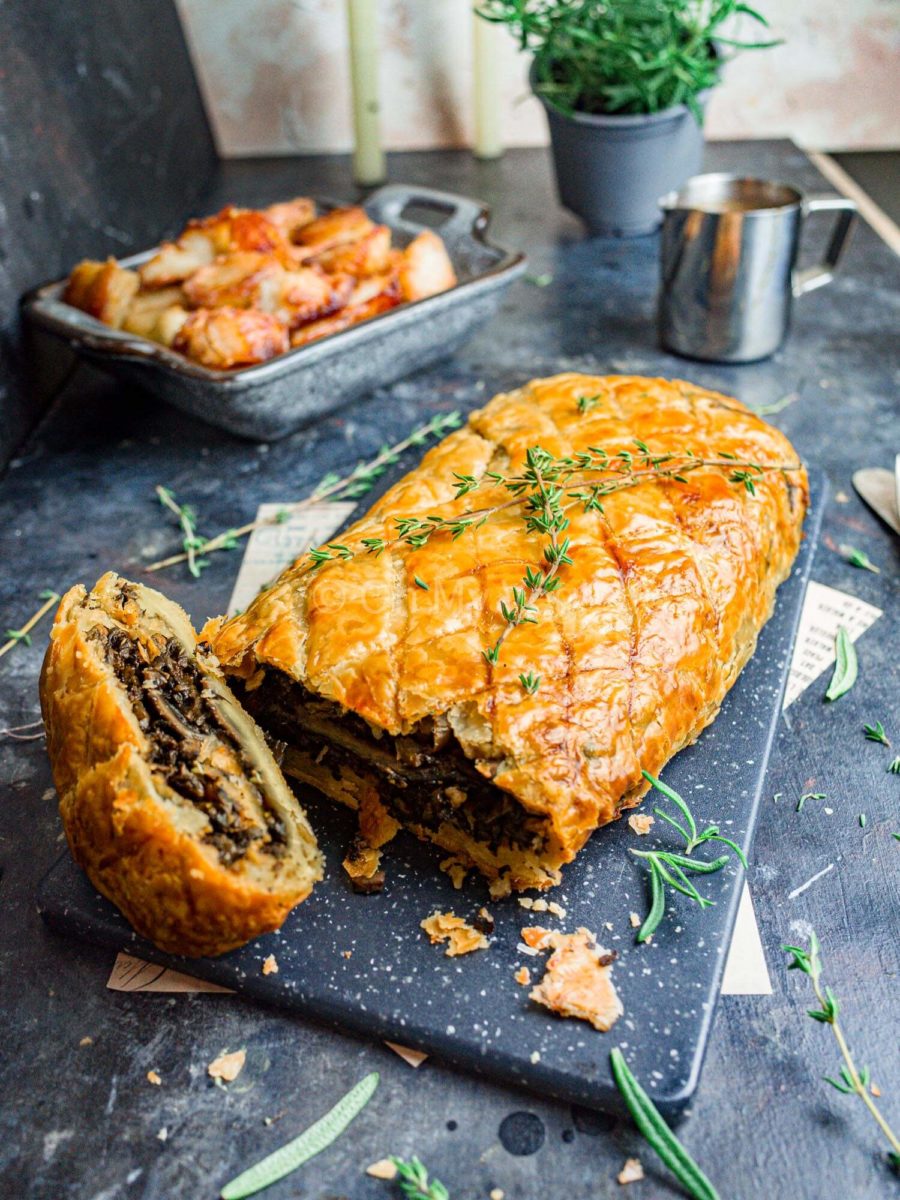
(274, 76)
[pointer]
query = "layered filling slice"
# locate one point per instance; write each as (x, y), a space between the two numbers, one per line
(424, 778)
(195, 754)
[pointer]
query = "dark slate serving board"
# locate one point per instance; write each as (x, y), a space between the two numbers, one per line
(469, 1011)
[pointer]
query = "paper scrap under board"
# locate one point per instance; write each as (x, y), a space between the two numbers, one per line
(271, 548)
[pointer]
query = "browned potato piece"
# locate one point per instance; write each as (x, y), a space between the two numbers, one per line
(351, 314)
(231, 337)
(232, 279)
(231, 230)
(334, 228)
(290, 215)
(177, 261)
(245, 280)
(103, 289)
(425, 268)
(369, 255)
(146, 308)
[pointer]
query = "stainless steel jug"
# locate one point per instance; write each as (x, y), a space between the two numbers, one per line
(729, 251)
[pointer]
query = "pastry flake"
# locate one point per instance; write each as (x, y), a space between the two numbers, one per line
(461, 938)
(577, 981)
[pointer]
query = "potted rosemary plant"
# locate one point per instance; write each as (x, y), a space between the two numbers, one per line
(624, 84)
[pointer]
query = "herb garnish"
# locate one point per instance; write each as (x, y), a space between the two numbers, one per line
(311, 1142)
(809, 796)
(875, 733)
(187, 519)
(539, 281)
(852, 1081)
(894, 766)
(413, 1181)
(846, 666)
(546, 489)
(657, 1133)
(586, 403)
(530, 682)
(332, 487)
(858, 558)
(23, 635)
(667, 869)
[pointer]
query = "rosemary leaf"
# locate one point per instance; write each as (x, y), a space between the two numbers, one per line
(846, 666)
(656, 1132)
(858, 558)
(809, 796)
(312, 1141)
(875, 733)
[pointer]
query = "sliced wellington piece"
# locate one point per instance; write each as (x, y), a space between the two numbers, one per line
(170, 798)
(370, 659)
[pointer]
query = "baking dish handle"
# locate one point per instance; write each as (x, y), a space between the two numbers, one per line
(462, 215)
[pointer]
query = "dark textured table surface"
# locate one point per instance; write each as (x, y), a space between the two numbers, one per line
(82, 1121)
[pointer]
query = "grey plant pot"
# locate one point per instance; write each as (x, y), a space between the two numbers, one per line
(611, 171)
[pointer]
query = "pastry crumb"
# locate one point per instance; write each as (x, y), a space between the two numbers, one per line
(163, 1134)
(362, 864)
(227, 1067)
(632, 1171)
(496, 1194)
(875, 1089)
(608, 925)
(556, 909)
(539, 905)
(456, 869)
(346, 953)
(86, 1041)
(383, 1169)
(154, 1078)
(635, 920)
(526, 901)
(841, 497)
(577, 980)
(641, 823)
(484, 922)
(535, 1056)
(499, 887)
(461, 938)
(522, 976)
(270, 965)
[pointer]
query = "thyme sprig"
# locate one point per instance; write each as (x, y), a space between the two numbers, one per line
(332, 487)
(548, 487)
(22, 636)
(809, 796)
(671, 870)
(858, 558)
(413, 1181)
(187, 519)
(853, 1081)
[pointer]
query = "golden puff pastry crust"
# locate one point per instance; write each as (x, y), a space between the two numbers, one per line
(170, 799)
(373, 668)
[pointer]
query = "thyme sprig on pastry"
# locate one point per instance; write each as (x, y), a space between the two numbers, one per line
(547, 487)
(350, 486)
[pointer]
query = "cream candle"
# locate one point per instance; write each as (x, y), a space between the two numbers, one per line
(368, 155)
(486, 57)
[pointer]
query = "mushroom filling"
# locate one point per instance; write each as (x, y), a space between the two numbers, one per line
(425, 778)
(192, 748)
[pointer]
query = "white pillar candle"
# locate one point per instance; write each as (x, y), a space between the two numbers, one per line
(486, 38)
(368, 156)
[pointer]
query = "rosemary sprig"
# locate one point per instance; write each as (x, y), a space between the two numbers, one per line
(332, 487)
(311, 1142)
(846, 666)
(858, 558)
(413, 1181)
(875, 733)
(852, 1081)
(22, 636)
(657, 1133)
(187, 519)
(670, 870)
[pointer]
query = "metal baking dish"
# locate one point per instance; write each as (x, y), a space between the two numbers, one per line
(272, 399)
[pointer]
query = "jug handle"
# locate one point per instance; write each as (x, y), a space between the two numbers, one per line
(822, 272)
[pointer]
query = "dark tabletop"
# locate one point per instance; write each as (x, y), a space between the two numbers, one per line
(83, 1121)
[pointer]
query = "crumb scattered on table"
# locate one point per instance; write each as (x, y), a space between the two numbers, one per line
(556, 909)
(461, 938)
(535, 1056)
(86, 1041)
(875, 1089)
(635, 920)
(227, 1067)
(632, 1171)
(154, 1078)
(539, 905)
(270, 965)
(484, 922)
(346, 953)
(641, 823)
(163, 1134)
(362, 864)
(577, 981)
(383, 1169)
(523, 976)
(499, 887)
(497, 1194)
